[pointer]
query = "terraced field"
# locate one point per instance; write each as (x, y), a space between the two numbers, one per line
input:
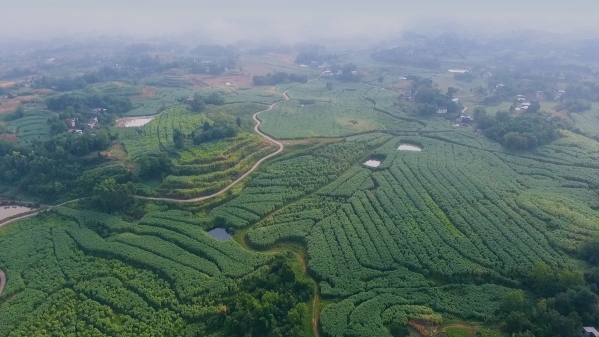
(448, 230)
(34, 126)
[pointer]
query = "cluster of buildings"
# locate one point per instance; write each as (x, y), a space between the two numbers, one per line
(76, 126)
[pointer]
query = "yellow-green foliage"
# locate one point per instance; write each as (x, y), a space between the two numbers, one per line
(158, 134)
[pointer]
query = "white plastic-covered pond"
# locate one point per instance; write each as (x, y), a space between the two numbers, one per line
(372, 163)
(409, 147)
(131, 122)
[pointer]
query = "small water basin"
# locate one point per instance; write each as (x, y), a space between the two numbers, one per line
(220, 234)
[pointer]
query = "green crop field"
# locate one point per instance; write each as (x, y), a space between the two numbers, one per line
(157, 135)
(207, 168)
(34, 126)
(370, 206)
(165, 97)
(377, 238)
(155, 276)
(315, 111)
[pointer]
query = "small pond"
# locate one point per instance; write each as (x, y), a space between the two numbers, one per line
(220, 234)
(131, 122)
(8, 211)
(372, 163)
(408, 147)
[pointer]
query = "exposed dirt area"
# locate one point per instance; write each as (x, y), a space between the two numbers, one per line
(9, 137)
(196, 80)
(9, 105)
(41, 91)
(236, 81)
(402, 85)
(561, 114)
(117, 152)
(146, 92)
(7, 84)
(256, 69)
(283, 58)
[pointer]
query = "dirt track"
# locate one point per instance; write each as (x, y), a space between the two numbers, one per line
(281, 147)
(2, 280)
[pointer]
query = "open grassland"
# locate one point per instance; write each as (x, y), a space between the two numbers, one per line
(588, 121)
(315, 111)
(161, 98)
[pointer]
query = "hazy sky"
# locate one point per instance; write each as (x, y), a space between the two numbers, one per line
(232, 20)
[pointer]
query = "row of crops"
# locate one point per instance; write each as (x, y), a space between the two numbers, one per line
(207, 168)
(32, 127)
(93, 274)
(378, 237)
(315, 111)
(158, 134)
(291, 179)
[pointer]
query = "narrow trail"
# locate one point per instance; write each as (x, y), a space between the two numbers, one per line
(2, 281)
(256, 128)
(37, 212)
(315, 314)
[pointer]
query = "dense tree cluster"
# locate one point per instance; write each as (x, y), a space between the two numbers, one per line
(154, 165)
(84, 103)
(524, 132)
(110, 196)
(407, 57)
(213, 132)
(575, 105)
(313, 53)
(278, 78)
(429, 99)
(566, 304)
(50, 168)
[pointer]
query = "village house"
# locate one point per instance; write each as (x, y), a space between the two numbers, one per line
(466, 119)
(97, 110)
(71, 122)
(442, 111)
(590, 332)
(92, 122)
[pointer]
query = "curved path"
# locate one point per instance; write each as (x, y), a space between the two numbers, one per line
(281, 148)
(2, 280)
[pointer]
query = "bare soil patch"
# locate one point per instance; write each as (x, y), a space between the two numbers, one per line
(7, 84)
(146, 92)
(9, 105)
(9, 137)
(256, 69)
(560, 114)
(235, 81)
(117, 152)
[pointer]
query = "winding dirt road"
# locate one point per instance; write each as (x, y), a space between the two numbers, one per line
(2, 280)
(281, 148)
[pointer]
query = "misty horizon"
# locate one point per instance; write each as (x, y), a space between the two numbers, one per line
(232, 21)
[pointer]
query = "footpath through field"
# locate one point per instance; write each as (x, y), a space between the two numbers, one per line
(2, 281)
(281, 148)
